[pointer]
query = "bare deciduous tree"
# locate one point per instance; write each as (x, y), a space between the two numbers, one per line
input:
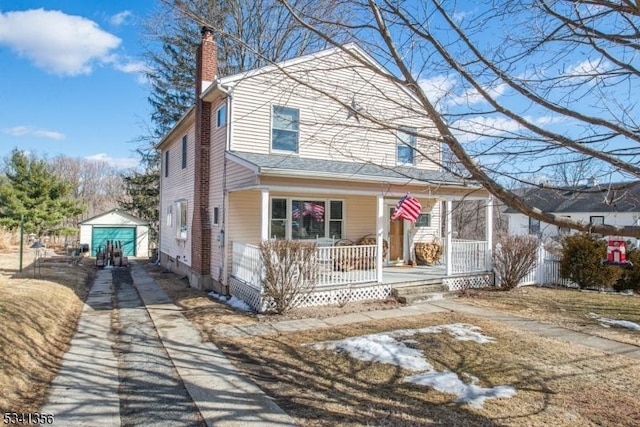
(98, 185)
(505, 90)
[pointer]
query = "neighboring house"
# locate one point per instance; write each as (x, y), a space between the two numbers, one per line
(116, 225)
(275, 153)
(591, 204)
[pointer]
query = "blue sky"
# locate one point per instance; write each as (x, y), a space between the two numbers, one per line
(71, 78)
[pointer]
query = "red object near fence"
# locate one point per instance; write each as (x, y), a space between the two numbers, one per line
(616, 251)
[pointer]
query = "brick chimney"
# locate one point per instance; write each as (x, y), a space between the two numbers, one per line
(206, 70)
(206, 61)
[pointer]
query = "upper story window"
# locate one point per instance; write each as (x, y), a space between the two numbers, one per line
(285, 129)
(184, 152)
(166, 163)
(406, 146)
(222, 116)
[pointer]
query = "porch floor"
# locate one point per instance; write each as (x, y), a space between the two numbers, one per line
(409, 273)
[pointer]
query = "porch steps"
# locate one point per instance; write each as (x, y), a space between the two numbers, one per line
(421, 291)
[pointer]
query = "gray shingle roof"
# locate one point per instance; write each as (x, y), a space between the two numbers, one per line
(584, 199)
(342, 169)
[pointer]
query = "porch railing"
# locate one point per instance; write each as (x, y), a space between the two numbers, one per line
(343, 265)
(246, 263)
(337, 265)
(469, 256)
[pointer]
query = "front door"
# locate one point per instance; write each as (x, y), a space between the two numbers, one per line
(396, 240)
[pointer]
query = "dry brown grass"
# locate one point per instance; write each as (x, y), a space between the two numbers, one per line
(557, 383)
(38, 317)
(568, 308)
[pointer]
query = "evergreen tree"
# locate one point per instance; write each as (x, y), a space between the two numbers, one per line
(29, 187)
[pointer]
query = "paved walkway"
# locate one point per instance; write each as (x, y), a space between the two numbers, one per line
(89, 390)
(449, 305)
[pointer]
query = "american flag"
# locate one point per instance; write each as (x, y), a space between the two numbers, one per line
(314, 209)
(407, 208)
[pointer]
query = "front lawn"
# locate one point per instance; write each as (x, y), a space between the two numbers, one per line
(401, 372)
(570, 308)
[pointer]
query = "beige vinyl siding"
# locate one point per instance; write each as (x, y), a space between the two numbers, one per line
(428, 234)
(243, 222)
(177, 186)
(361, 217)
(325, 132)
(239, 176)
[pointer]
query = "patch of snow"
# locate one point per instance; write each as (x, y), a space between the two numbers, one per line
(381, 348)
(234, 302)
(612, 322)
(449, 382)
(393, 348)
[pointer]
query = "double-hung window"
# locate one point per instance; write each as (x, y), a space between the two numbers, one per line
(166, 163)
(184, 152)
(222, 116)
(285, 129)
(406, 141)
(181, 219)
(534, 226)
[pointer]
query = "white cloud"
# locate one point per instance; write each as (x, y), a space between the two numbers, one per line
(588, 68)
(19, 131)
(120, 18)
(56, 42)
(442, 89)
(117, 162)
(437, 87)
(476, 128)
(473, 96)
(132, 67)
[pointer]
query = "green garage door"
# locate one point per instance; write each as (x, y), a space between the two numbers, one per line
(125, 235)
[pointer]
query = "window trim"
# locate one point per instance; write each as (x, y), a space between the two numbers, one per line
(412, 143)
(289, 219)
(297, 130)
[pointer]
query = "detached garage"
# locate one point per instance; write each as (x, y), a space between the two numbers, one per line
(116, 226)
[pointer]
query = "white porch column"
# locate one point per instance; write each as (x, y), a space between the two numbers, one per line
(489, 234)
(447, 247)
(264, 216)
(379, 230)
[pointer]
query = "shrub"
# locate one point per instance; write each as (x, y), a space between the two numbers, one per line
(581, 262)
(290, 272)
(513, 258)
(630, 276)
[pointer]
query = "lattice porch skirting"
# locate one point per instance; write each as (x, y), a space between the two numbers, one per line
(462, 282)
(321, 296)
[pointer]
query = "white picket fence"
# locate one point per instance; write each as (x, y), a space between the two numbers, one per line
(546, 272)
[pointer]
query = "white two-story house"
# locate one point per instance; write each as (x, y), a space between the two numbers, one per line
(320, 147)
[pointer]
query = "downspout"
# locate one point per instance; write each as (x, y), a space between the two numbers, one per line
(223, 241)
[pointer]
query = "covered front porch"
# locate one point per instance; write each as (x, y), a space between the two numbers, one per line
(363, 278)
